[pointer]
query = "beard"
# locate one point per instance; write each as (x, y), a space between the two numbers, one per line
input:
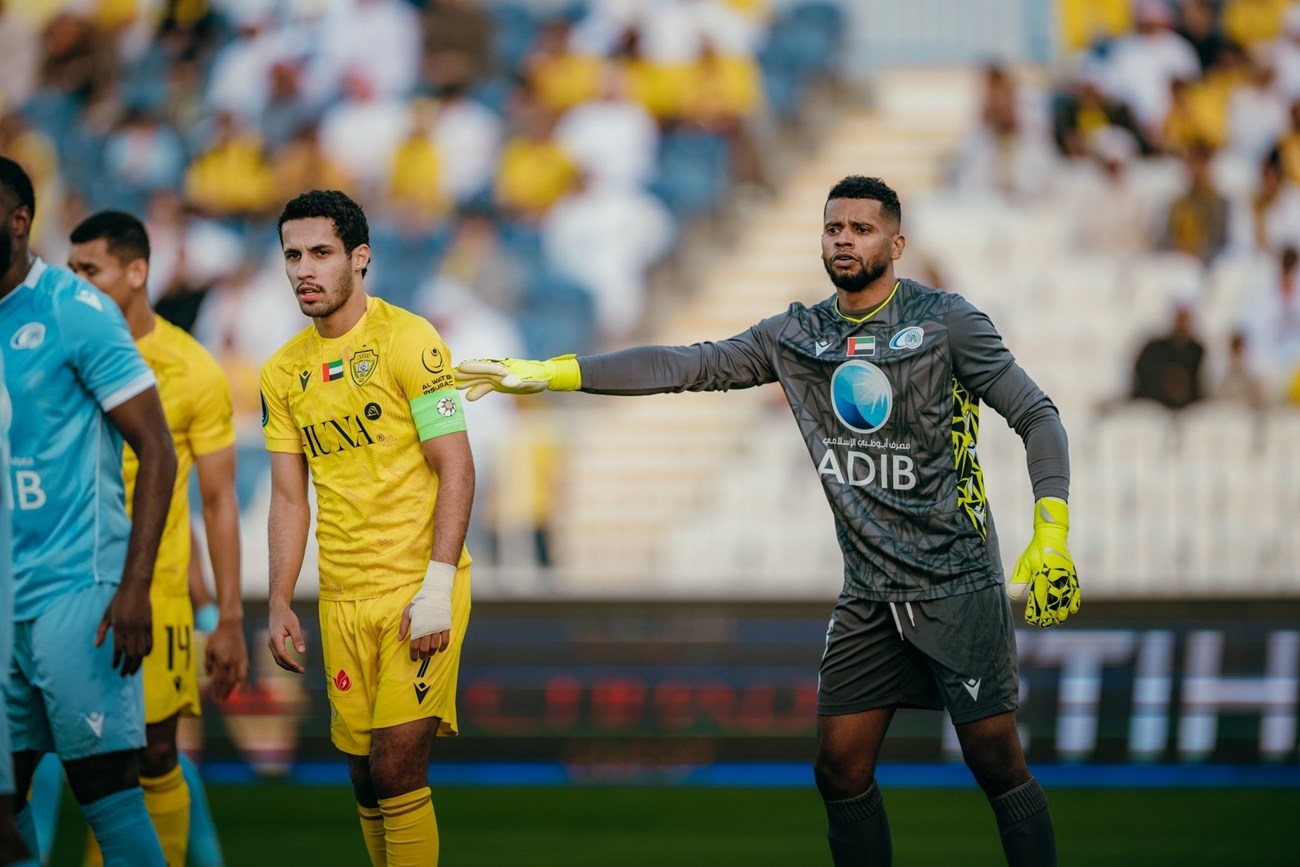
(856, 281)
(332, 298)
(6, 250)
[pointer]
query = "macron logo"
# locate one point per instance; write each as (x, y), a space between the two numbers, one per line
(96, 722)
(822, 346)
(973, 687)
(89, 298)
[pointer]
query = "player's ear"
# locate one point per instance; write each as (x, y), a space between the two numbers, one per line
(137, 273)
(898, 244)
(20, 221)
(360, 257)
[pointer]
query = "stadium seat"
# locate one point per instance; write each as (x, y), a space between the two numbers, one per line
(694, 172)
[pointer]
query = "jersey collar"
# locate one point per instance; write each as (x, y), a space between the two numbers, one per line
(34, 273)
(29, 282)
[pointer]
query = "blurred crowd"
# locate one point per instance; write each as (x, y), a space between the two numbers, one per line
(1171, 130)
(525, 166)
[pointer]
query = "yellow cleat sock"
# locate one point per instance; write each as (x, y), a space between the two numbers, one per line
(372, 831)
(167, 798)
(410, 829)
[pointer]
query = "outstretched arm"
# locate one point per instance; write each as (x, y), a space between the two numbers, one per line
(742, 361)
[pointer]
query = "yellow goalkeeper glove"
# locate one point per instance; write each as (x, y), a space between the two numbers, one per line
(1046, 569)
(518, 375)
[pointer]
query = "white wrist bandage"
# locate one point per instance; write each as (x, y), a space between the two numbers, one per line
(431, 607)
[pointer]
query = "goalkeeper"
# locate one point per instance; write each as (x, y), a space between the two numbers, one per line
(885, 379)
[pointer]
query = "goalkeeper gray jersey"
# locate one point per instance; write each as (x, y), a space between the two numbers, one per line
(889, 410)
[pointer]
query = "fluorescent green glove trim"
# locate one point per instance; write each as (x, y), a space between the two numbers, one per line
(568, 375)
(518, 375)
(1046, 569)
(437, 414)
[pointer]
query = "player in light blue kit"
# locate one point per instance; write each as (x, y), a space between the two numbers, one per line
(81, 569)
(12, 850)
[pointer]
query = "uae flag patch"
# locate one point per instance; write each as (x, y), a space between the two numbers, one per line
(331, 370)
(865, 345)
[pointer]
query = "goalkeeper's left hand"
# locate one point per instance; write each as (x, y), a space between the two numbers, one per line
(1046, 569)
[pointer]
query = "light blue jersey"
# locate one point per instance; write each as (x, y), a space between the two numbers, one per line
(6, 583)
(68, 360)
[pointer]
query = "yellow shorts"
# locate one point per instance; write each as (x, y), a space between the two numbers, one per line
(171, 678)
(370, 678)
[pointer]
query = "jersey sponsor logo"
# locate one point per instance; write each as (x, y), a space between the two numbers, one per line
(432, 360)
(342, 681)
(364, 362)
(372, 411)
(862, 396)
(908, 338)
(336, 435)
(90, 298)
(444, 381)
(331, 370)
(303, 377)
(862, 344)
(861, 470)
(28, 493)
(821, 346)
(447, 407)
(30, 336)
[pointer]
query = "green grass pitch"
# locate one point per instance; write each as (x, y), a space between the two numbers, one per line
(650, 827)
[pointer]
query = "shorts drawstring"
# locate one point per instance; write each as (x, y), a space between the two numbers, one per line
(898, 624)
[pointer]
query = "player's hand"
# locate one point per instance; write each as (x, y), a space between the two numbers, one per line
(226, 658)
(282, 626)
(426, 645)
(130, 615)
(427, 618)
(518, 375)
(1046, 569)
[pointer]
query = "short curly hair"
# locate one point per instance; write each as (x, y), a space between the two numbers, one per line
(14, 179)
(346, 215)
(863, 187)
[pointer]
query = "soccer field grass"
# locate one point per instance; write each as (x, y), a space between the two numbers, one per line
(695, 827)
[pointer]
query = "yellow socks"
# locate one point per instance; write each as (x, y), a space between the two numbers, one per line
(167, 798)
(372, 830)
(410, 829)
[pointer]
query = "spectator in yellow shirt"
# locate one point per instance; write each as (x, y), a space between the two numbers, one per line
(232, 178)
(534, 172)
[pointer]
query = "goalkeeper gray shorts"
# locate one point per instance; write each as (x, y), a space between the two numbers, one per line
(957, 653)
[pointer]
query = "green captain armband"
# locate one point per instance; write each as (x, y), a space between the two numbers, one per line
(438, 413)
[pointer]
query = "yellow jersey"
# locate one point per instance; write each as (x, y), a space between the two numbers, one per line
(358, 407)
(196, 400)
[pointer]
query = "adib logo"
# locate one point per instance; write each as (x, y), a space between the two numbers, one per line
(861, 395)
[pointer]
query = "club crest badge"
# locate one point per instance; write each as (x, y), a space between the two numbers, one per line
(364, 362)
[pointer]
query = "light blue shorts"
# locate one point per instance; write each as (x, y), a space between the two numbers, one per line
(63, 694)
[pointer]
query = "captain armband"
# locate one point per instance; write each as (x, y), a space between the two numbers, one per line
(438, 413)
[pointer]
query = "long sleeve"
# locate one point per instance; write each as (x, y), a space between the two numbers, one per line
(742, 361)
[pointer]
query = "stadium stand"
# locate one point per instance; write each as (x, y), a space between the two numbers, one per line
(1055, 195)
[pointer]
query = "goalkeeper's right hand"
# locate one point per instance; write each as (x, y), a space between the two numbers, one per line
(518, 375)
